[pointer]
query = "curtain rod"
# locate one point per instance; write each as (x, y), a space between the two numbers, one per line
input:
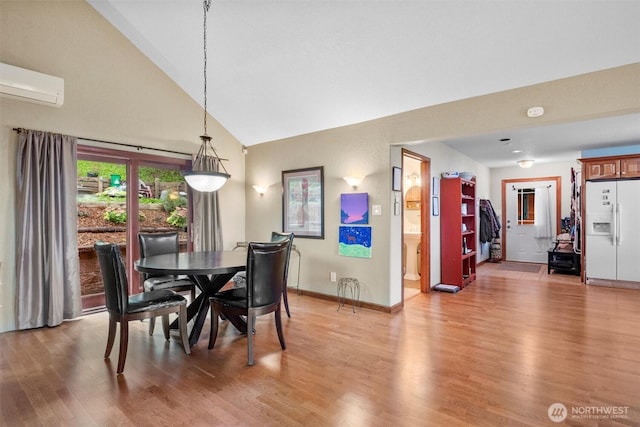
(513, 187)
(137, 147)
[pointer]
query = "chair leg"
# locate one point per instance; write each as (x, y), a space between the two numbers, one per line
(112, 336)
(279, 329)
(152, 324)
(165, 326)
(213, 333)
(251, 318)
(182, 321)
(124, 342)
(286, 300)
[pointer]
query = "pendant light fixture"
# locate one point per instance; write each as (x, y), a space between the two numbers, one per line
(204, 175)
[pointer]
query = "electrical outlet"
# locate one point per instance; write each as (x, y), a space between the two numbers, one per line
(333, 276)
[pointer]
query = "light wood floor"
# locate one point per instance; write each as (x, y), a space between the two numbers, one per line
(500, 352)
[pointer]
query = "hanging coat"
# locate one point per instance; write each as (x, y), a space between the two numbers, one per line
(486, 234)
(489, 224)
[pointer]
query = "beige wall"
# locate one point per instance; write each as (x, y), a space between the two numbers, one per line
(112, 92)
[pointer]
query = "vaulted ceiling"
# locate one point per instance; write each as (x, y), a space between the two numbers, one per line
(280, 68)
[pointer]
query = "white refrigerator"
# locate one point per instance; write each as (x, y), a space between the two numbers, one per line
(612, 230)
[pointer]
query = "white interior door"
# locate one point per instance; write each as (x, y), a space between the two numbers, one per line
(520, 232)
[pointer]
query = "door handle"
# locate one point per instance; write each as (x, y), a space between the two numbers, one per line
(614, 233)
(618, 223)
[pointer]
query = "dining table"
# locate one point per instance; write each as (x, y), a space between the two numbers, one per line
(208, 270)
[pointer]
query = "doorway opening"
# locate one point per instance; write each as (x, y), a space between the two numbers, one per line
(416, 236)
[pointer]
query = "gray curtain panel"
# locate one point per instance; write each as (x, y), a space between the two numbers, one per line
(206, 228)
(47, 270)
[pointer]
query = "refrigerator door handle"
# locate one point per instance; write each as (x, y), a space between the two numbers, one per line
(618, 223)
(614, 218)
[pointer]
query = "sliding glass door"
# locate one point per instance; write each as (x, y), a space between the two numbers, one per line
(121, 193)
(163, 203)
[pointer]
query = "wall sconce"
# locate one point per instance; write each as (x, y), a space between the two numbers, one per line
(353, 181)
(413, 179)
(260, 190)
(525, 163)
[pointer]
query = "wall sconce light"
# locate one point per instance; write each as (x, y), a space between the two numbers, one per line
(353, 181)
(413, 179)
(260, 190)
(525, 163)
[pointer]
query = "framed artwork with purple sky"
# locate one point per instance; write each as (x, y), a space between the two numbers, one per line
(354, 208)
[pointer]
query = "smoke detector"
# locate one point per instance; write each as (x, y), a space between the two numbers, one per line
(535, 112)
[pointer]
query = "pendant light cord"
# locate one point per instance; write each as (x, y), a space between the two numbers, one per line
(206, 4)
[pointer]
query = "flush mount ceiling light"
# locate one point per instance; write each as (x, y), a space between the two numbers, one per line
(204, 175)
(525, 163)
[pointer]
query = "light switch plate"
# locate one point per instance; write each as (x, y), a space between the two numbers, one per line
(376, 209)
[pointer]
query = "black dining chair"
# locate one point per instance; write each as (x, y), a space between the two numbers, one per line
(279, 237)
(240, 277)
(266, 264)
(159, 244)
(124, 308)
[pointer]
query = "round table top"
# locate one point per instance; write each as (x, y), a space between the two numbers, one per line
(193, 263)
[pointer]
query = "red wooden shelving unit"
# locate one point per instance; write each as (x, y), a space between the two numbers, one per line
(457, 225)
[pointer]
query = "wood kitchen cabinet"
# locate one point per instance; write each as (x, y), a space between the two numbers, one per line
(601, 169)
(630, 167)
(613, 167)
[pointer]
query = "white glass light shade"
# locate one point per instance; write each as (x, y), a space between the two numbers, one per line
(203, 175)
(413, 179)
(353, 181)
(205, 182)
(259, 189)
(525, 163)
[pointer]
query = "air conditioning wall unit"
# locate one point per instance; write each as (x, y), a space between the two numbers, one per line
(31, 86)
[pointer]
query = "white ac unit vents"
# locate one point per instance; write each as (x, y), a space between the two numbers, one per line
(30, 86)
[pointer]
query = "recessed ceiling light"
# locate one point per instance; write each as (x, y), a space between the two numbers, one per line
(516, 151)
(505, 139)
